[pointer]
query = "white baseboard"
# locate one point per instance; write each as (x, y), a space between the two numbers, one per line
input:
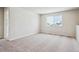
(14, 38)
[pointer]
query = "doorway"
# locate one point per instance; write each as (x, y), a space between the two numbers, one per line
(1, 22)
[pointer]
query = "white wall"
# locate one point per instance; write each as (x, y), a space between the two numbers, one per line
(1, 22)
(70, 20)
(6, 23)
(22, 23)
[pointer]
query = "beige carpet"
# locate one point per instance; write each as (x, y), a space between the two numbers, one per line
(40, 43)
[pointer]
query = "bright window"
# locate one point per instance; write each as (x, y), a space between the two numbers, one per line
(54, 20)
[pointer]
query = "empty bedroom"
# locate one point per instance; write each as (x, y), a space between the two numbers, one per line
(40, 29)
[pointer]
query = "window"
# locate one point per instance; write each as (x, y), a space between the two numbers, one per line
(54, 20)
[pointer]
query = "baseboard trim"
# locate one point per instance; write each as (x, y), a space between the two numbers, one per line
(60, 35)
(15, 38)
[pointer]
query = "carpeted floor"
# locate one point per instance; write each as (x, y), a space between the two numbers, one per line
(40, 43)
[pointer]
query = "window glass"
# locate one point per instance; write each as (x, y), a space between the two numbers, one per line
(54, 20)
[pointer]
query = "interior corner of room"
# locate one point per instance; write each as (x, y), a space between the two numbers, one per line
(19, 22)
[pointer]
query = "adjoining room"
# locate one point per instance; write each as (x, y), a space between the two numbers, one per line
(1, 23)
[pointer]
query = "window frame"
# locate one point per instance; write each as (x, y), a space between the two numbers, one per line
(54, 25)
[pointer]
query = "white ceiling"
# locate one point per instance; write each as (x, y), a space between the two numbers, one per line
(45, 10)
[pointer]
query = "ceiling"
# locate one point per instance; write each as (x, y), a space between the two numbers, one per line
(45, 10)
